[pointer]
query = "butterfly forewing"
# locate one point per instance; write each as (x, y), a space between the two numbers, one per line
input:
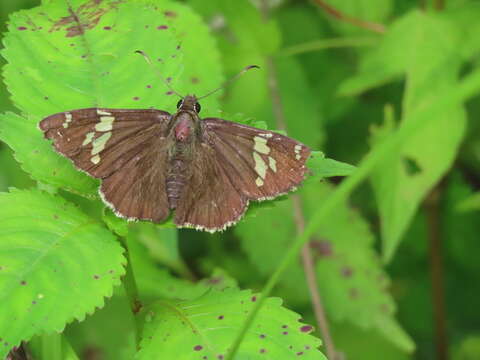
(125, 148)
(100, 141)
(263, 164)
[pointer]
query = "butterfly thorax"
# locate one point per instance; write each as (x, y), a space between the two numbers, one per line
(185, 132)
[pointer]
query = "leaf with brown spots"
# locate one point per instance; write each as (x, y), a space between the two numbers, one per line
(206, 327)
(60, 257)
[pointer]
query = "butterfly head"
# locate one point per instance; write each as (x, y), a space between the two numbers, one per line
(189, 103)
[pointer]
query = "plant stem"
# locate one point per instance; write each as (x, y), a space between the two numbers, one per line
(439, 5)
(324, 44)
(410, 126)
(378, 28)
(307, 259)
(436, 272)
(131, 290)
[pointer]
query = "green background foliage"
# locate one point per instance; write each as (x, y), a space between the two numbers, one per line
(400, 104)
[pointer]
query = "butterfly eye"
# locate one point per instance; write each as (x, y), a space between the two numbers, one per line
(197, 108)
(180, 102)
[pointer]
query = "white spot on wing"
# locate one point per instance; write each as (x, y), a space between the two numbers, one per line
(68, 119)
(100, 142)
(261, 145)
(88, 138)
(298, 148)
(260, 166)
(272, 163)
(259, 182)
(103, 112)
(95, 159)
(105, 124)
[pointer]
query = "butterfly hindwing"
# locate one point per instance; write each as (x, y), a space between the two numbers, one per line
(137, 190)
(125, 148)
(209, 200)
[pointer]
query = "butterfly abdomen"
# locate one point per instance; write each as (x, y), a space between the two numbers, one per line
(176, 179)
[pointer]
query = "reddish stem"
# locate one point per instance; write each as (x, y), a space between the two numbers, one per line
(437, 273)
(378, 28)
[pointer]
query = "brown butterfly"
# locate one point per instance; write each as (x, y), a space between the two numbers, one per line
(151, 162)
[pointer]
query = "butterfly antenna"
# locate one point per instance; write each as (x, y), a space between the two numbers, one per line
(149, 61)
(232, 79)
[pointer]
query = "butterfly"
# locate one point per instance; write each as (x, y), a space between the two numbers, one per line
(151, 162)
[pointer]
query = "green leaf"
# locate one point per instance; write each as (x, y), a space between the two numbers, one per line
(298, 103)
(411, 42)
(206, 327)
(431, 64)
(157, 282)
(96, 68)
(465, 18)
(469, 348)
(11, 173)
(460, 227)
(52, 67)
(350, 278)
(118, 225)
(109, 332)
(51, 255)
(162, 245)
(322, 167)
(472, 203)
(52, 347)
(242, 22)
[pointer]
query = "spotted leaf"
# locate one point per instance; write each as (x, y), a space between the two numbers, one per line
(206, 327)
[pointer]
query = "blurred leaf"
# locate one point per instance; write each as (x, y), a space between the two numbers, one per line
(162, 245)
(297, 102)
(244, 39)
(431, 64)
(460, 229)
(469, 349)
(207, 326)
(350, 278)
(471, 203)
(350, 340)
(52, 347)
(411, 43)
(240, 26)
(48, 246)
(323, 68)
(157, 282)
(465, 18)
(108, 334)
